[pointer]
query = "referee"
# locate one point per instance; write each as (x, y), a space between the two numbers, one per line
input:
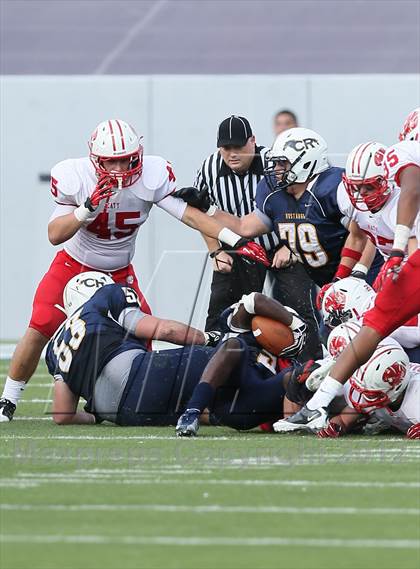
(231, 176)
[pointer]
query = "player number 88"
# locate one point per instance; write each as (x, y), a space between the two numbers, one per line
(64, 350)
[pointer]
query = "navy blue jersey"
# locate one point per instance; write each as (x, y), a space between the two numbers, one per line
(91, 337)
(311, 225)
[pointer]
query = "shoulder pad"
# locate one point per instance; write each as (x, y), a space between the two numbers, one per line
(155, 172)
(65, 178)
(328, 180)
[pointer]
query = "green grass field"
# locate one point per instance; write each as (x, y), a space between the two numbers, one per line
(115, 498)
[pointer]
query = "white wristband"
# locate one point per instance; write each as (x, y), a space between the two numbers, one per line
(229, 237)
(401, 237)
(82, 213)
(360, 268)
(212, 210)
(248, 301)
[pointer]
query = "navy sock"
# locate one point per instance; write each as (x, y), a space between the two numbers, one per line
(202, 397)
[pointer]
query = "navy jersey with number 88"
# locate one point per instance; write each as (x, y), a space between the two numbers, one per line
(93, 335)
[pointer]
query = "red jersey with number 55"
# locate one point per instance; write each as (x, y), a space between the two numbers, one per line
(399, 157)
(106, 241)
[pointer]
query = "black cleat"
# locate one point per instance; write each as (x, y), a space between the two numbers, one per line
(7, 408)
(303, 420)
(188, 423)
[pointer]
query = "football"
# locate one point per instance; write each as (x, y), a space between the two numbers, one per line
(271, 334)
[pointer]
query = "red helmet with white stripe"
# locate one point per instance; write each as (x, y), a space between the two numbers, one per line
(410, 129)
(115, 139)
(364, 179)
(381, 379)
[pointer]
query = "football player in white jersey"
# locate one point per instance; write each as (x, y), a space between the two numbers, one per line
(348, 299)
(100, 203)
(399, 296)
(386, 387)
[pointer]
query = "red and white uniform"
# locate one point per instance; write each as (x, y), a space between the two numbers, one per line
(409, 411)
(379, 226)
(106, 241)
(399, 301)
(398, 158)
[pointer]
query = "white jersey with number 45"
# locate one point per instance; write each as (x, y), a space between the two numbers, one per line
(396, 159)
(106, 241)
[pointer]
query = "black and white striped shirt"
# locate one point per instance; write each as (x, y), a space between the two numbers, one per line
(235, 193)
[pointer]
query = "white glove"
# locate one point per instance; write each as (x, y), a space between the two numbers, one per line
(299, 329)
(317, 376)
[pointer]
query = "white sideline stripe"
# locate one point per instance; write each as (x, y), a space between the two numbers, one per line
(35, 401)
(30, 419)
(221, 541)
(212, 509)
(48, 478)
(404, 442)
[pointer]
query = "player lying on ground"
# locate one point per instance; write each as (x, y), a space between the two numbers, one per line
(95, 351)
(100, 203)
(347, 300)
(385, 390)
(240, 387)
(399, 298)
(100, 354)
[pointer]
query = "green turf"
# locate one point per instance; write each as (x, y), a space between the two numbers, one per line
(116, 498)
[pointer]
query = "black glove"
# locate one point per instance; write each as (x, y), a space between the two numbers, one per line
(194, 197)
(212, 338)
(296, 390)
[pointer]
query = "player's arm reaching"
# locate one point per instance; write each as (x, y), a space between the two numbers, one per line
(152, 328)
(408, 208)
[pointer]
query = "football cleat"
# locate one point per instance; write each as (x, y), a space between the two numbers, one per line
(7, 408)
(188, 423)
(303, 420)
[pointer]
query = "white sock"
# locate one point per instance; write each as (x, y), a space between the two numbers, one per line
(13, 390)
(328, 389)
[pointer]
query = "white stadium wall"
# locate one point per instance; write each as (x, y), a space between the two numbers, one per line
(47, 119)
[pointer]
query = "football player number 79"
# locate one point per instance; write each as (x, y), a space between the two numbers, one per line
(303, 238)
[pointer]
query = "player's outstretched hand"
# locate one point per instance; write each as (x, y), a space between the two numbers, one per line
(251, 252)
(299, 330)
(212, 338)
(104, 189)
(414, 432)
(390, 269)
(331, 431)
(194, 197)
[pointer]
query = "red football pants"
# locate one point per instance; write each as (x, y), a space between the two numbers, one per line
(398, 301)
(46, 317)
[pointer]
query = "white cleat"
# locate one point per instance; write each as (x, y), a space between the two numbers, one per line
(303, 420)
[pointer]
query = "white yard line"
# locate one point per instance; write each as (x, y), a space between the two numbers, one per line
(35, 401)
(62, 478)
(214, 541)
(212, 509)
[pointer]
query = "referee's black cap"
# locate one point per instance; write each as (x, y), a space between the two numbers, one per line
(233, 131)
